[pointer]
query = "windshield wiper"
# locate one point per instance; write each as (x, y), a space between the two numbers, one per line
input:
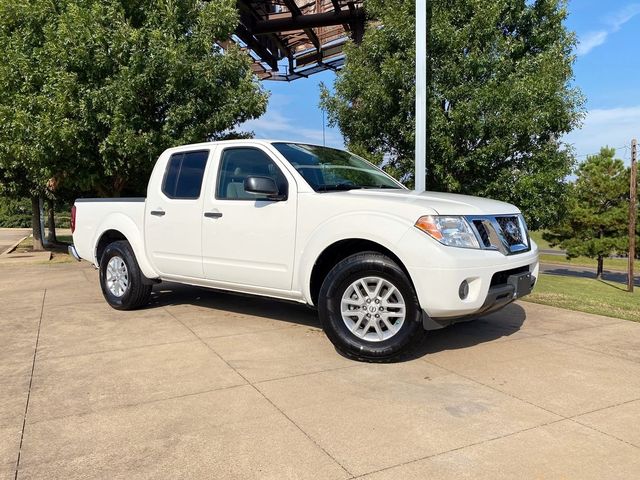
(338, 187)
(382, 186)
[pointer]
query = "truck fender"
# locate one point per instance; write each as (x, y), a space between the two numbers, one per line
(387, 233)
(127, 227)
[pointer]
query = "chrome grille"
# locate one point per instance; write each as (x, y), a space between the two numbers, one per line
(510, 229)
(505, 233)
(482, 232)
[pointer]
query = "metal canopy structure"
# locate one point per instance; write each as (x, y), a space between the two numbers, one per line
(291, 39)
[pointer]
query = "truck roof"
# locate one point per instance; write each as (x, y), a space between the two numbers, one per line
(256, 141)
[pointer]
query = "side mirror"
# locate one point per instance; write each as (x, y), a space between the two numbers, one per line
(262, 186)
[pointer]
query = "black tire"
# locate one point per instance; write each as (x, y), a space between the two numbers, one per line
(339, 279)
(138, 290)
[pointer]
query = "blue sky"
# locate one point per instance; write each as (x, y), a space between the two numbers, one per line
(607, 70)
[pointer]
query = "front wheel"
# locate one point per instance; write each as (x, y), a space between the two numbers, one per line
(369, 309)
(121, 279)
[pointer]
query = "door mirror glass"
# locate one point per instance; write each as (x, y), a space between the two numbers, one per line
(261, 186)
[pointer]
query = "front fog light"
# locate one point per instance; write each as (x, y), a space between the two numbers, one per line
(463, 291)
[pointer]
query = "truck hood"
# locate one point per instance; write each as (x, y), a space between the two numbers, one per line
(435, 202)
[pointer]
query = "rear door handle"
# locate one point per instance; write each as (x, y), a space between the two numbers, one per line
(158, 213)
(212, 214)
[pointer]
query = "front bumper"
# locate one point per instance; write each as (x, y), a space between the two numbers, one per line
(499, 296)
(438, 285)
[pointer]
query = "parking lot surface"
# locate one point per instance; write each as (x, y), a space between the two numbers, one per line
(205, 384)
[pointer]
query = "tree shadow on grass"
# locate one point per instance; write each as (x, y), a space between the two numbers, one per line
(617, 286)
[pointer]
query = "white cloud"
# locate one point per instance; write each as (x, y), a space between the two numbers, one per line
(590, 41)
(623, 16)
(614, 127)
(594, 39)
(276, 125)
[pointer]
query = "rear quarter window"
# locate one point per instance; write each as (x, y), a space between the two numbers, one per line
(184, 174)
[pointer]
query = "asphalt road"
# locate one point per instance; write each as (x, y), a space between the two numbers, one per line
(9, 236)
(585, 272)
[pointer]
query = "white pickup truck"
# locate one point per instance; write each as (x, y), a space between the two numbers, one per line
(310, 224)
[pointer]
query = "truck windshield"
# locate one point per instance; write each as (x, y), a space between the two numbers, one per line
(329, 169)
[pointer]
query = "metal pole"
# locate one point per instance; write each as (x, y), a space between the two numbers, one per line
(633, 214)
(324, 142)
(421, 95)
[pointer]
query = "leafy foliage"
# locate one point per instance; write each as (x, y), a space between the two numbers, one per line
(15, 213)
(499, 100)
(94, 90)
(596, 224)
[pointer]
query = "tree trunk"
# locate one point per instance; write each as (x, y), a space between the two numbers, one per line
(38, 246)
(51, 234)
(600, 267)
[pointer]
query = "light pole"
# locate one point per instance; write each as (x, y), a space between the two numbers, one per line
(421, 96)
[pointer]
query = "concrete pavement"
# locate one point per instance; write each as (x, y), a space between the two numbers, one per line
(9, 236)
(210, 385)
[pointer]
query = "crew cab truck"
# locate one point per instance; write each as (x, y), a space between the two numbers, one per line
(310, 224)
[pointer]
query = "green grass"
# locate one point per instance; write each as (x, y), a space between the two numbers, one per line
(587, 295)
(58, 254)
(536, 236)
(618, 264)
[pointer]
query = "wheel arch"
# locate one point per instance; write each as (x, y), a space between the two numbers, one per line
(338, 251)
(120, 227)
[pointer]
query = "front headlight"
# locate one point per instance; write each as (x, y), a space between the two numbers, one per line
(449, 230)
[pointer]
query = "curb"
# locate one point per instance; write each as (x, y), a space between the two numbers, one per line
(13, 247)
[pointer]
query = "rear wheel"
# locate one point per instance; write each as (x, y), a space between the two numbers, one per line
(122, 282)
(369, 309)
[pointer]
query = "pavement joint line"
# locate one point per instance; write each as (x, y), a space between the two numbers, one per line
(135, 404)
(462, 447)
(33, 366)
(594, 350)
(306, 374)
(603, 408)
(123, 349)
(266, 330)
(309, 437)
(604, 433)
(572, 418)
(564, 417)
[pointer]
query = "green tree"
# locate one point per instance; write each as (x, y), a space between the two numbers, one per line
(93, 90)
(596, 223)
(21, 103)
(499, 98)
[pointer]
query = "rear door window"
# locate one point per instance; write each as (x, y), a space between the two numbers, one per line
(184, 175)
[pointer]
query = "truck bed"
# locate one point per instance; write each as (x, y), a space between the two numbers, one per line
(91, 213)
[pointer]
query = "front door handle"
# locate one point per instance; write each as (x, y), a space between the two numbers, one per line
(158, 213)
(212, 214)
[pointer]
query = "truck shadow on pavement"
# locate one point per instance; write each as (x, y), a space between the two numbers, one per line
(462, 335)
(467, 334)
(172, 294)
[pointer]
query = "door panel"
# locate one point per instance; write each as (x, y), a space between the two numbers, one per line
(173, 220)
(248, 239)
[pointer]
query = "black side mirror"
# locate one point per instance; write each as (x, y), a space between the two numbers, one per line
(262, 186)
